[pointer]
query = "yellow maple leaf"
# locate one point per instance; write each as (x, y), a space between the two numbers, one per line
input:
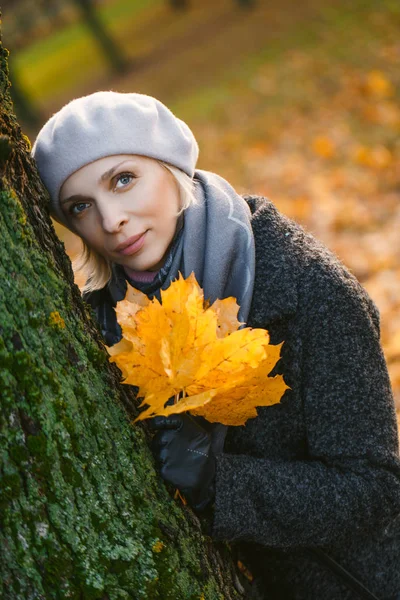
(226, 311)
(183, 348)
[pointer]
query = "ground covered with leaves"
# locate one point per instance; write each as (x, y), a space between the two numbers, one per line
(316, 129)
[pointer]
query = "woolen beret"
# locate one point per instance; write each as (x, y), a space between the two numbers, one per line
(108, 123)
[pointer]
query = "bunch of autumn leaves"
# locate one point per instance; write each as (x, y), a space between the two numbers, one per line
(195, 353)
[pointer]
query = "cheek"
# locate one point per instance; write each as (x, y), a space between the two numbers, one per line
(168, 216)
(167, 197)
(89, 232)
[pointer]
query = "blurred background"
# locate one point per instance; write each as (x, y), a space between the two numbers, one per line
(297, 101)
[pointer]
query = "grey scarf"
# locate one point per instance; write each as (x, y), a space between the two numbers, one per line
(216, 243)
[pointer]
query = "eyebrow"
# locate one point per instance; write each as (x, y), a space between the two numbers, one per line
(111, 171)
(103, 177)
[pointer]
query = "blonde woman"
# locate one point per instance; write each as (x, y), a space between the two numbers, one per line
(309, 491)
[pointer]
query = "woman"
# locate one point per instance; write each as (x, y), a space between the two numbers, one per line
(309, 490)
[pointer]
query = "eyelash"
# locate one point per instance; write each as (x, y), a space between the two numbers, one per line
(116, 178)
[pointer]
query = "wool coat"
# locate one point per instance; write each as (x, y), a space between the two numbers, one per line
(320, 469)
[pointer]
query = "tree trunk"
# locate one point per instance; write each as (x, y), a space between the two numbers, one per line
(110, 49)
(179, 4)
(83, 514)
(246, 3)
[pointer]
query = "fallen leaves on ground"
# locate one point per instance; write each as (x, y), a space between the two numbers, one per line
(326, 151)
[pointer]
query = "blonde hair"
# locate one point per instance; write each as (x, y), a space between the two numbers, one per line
(97, 269)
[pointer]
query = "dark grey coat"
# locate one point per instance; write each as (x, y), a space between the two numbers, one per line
(320, 469)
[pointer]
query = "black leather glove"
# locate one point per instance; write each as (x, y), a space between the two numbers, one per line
(184, 449)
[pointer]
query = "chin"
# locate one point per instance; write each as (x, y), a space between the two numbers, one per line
(145, 265)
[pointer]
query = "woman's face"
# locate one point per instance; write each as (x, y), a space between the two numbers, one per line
(123, 199)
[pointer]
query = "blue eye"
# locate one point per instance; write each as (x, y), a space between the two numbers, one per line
(77, 209)
(124, 179)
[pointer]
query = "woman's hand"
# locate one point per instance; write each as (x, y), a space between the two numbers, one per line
(183, 449)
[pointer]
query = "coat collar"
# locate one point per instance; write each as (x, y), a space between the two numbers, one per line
(275, 286)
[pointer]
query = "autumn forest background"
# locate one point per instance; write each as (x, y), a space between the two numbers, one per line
(297, 101)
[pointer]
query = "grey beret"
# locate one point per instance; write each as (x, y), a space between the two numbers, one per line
(108, 123)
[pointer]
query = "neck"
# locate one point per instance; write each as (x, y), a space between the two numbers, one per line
(140, 276)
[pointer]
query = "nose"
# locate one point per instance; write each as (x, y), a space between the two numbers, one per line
(113, 217)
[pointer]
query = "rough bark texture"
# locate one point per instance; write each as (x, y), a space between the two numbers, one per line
(83, 513)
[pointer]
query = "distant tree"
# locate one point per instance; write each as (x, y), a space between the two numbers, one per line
(110, 49)
(23, 105)
(246, 3)
(184, 4)
(179, 4)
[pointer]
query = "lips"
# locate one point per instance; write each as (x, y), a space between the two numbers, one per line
(131, 245)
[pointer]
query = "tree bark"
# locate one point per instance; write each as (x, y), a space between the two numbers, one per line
(83, 515)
